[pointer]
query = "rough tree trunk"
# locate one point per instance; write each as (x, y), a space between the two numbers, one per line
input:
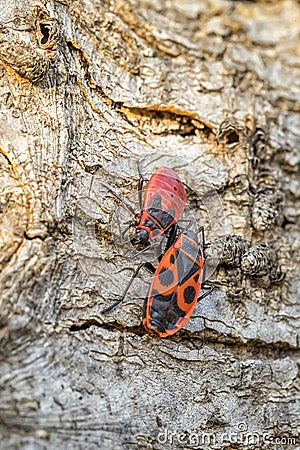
(88, 88)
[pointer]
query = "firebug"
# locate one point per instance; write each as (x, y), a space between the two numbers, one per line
(176, 285)
(162, 206)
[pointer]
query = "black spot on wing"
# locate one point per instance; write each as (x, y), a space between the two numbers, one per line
(196, 277)
(172, 259)
(189, 294)
(166, 276)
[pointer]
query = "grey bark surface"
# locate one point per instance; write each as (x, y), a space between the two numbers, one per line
(87, 89)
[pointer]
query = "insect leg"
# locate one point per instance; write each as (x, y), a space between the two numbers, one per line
(122, 200)
(188, 221)
(140, 187)
(122, 233)
(206, 285)
(201, 230)
(140, 192)
(149, 266)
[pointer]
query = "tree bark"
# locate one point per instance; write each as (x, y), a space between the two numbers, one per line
(88, 89)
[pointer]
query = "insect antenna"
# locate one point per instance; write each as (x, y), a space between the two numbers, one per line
(122, 200)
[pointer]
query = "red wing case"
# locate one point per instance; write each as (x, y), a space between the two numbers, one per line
(175, 287)
(164, 202)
